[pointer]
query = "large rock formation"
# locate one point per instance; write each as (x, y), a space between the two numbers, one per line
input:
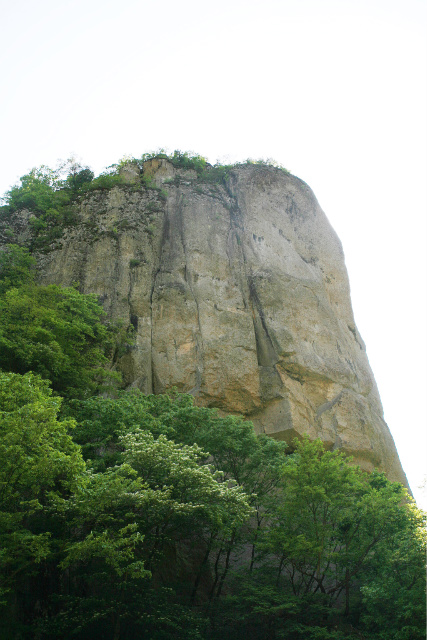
(239, 294)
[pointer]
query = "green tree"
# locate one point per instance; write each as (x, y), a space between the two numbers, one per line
(38, 191)
(39, 462)
(77, 176)
(255, 608)
(101, 421)
(16, 267)
(253, 461)
(56, 332)
(328, 561)
(132, 521)
(331, 517)
(50, 197)
(308, 547)
(394, 586)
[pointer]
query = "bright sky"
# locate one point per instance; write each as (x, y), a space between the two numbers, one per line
(333, 90)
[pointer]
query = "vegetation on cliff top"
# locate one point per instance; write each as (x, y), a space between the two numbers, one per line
(129, 516)
(51, 195)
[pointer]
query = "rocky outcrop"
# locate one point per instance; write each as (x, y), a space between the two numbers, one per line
(238, 294)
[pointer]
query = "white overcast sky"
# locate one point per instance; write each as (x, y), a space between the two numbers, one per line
(333, 90)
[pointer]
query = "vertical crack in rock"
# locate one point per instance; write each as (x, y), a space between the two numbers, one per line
(188, 277)
(266, 353)
(153, 285)
(163, 240)
(82, 269)
(328, 405)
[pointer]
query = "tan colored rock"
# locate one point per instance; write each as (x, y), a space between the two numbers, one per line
(159, 170)
(130, 173)
(240, 296)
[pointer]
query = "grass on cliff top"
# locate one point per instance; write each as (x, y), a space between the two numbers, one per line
(50, 195)
(189, 160)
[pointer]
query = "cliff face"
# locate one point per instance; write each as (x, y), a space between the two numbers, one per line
(238, 295)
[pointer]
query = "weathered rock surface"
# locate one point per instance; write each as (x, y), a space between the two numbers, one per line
(238, 295)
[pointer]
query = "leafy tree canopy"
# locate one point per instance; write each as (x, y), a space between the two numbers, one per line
(49, 195)
(56, 332)
(341, 555)
(44, 189)
(16, 267)
(307, 547)
(38, 460)
(254, 461)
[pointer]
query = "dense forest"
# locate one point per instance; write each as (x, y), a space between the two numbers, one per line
(126, 516)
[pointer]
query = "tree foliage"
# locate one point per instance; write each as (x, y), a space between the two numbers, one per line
(39, 462)
(332, 516)
(54, 331)
(39, 191)
(16, 267)
(328, 560)
(195, 527)
(393, 593)
(49, 195)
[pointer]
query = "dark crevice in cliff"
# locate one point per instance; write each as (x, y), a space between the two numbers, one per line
(267, 356)
(353, 331)
(164, 238)
(82, 269)
(328, 405)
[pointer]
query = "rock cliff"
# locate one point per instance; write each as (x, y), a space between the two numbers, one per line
(238, 294)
